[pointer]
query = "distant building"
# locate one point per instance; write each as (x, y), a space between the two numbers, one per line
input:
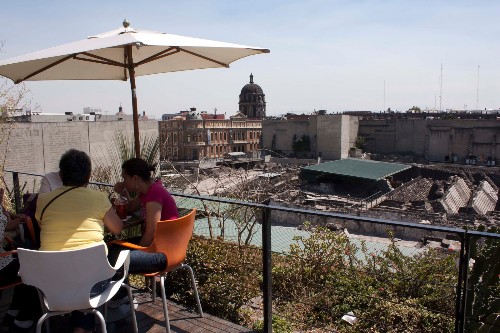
(193, 135)
(196, 135)
(92, 110)
(318, 135)
(252, 102)
(89, 114)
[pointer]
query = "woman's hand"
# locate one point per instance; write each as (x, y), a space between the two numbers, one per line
(120, 187)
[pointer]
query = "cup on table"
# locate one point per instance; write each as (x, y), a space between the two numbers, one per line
(121, 207)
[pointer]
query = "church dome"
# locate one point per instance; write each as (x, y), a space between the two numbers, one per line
(251, 92)
(252, 102)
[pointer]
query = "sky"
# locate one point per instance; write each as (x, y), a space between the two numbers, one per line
(336, 55)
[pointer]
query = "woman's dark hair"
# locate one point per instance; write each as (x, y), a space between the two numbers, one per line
(75, 168)
(138, 167)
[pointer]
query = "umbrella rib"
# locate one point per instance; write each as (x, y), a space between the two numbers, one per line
(99, 61)
(158, 55)
(45, 68)
(106, 60)
(125, 78)
(206, 58)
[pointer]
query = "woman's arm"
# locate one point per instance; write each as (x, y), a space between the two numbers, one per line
(153, 215)
(133, 204)
(112, 222)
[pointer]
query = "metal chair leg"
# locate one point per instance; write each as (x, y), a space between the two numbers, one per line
(195, 289)
(152, 281)
(132, 308)
(101, 319)
(164, 300)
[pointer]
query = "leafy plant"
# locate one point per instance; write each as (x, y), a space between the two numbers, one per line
(323, 277)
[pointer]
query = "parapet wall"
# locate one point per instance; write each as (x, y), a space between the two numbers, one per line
(37, 147)
(353, 226)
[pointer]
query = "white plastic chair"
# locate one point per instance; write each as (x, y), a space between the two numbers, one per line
(65, 279)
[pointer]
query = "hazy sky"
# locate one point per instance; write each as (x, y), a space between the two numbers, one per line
(333, 55)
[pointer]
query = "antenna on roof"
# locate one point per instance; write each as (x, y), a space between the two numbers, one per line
(477, 89)
(441, 91)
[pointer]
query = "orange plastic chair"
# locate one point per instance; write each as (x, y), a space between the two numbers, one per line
(172, 239)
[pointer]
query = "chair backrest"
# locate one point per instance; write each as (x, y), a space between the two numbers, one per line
(172, 238)
(65, 277)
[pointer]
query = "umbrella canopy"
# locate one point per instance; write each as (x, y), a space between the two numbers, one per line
(123, 54)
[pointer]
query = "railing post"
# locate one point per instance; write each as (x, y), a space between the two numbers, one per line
(17, 191)
(463, 274)
(267, 269)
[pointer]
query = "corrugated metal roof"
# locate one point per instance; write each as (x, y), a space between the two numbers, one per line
(357, 168)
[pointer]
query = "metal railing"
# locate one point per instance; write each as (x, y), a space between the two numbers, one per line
(468, 239)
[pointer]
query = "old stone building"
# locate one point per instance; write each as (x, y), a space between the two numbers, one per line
(194, 138)
(195, 135)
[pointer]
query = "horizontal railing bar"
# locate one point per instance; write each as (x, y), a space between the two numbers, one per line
(483, 234)
(317, 213)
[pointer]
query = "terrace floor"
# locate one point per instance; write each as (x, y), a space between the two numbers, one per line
(149, 318)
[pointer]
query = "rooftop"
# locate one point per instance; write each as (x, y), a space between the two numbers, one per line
(357, 168)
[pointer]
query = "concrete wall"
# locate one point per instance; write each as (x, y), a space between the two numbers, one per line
(283, 131)
(353, 226)
(330, 135)
(410, 136)
(37, 147)
(432, 138)
(379, 135)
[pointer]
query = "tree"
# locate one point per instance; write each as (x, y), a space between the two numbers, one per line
(360, 142)
(301, 145)
(483, 304)
(13, 98)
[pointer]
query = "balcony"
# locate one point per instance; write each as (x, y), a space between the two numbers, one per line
(194, 144)
(256, 269)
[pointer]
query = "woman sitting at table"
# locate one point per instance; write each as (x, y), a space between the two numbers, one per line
(74, 216)
(157, 205)
(24, 307)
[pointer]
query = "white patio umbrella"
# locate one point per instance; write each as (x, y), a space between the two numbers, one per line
(123, 54)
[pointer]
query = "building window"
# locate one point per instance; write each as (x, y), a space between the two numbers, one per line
(188, 138)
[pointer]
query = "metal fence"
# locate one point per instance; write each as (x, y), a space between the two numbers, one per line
(385, 276)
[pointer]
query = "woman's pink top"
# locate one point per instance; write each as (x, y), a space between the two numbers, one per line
(158, 193)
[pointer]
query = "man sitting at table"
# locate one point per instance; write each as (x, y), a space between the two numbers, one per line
(74, 216)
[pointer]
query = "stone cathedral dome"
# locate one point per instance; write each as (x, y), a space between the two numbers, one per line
(252, 100)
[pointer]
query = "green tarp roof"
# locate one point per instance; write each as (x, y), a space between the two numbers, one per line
(353, 167)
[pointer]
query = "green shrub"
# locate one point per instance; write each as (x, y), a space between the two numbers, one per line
(323, 277)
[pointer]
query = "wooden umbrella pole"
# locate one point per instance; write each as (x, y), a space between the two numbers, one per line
(135, 114)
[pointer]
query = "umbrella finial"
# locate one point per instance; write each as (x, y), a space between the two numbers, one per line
(126, 23)
(251, 78)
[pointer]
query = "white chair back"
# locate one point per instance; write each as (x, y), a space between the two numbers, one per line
(65, 277)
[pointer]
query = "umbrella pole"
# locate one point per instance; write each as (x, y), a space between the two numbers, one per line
(135, 114)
